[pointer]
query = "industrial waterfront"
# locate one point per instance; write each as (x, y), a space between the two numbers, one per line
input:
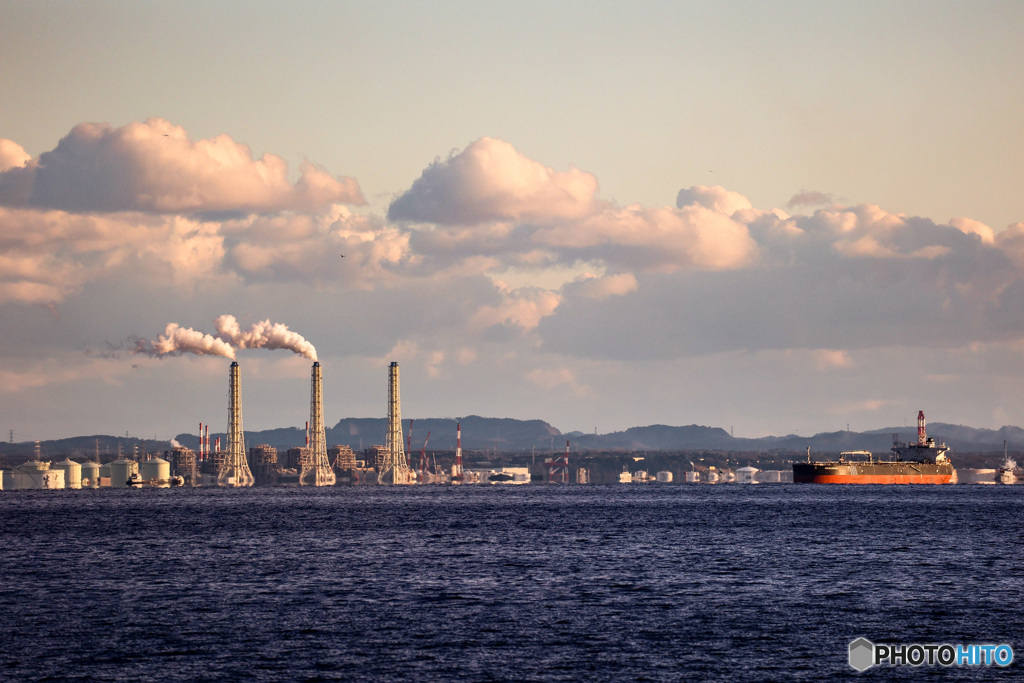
(395, 462)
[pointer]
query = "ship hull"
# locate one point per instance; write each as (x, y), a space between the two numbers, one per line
(873, 473)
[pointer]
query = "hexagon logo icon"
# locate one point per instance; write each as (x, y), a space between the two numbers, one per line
(862, 654)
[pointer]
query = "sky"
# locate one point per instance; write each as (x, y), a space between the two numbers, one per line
(774, 218)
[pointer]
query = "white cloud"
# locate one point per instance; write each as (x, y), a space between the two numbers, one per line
(715, 197)
(154, 166)
(523, 308)
(12, 155)
(491, 181)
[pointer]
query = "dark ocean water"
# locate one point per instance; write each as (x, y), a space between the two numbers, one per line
(563, 583)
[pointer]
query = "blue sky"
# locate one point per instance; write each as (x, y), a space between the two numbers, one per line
(773, 216)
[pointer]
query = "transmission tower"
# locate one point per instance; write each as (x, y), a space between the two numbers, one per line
(395, 469)
(316, 469)
(235, 470)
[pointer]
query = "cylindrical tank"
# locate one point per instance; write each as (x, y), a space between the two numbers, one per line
(90, 475)
(664, 477)
(746, 475)
(155, 472)
(121, 471)
(72, 473)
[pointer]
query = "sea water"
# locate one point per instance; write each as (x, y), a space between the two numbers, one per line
(553, 583)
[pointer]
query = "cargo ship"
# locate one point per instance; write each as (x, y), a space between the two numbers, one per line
(921, 462)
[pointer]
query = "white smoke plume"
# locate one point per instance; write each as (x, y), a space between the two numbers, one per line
(177, 340)
(263, 335)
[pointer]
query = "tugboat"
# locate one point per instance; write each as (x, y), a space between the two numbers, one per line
(923, 462)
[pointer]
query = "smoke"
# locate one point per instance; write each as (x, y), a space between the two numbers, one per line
(175, 444)
(177, 340)
(263, 335)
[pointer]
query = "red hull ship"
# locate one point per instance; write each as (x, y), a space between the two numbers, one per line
(923, 462)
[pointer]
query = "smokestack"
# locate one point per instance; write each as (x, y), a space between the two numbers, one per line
(395, 469)
(316, 463)
(458, 451)
(200, 440)
(235, 470)
(922, 438)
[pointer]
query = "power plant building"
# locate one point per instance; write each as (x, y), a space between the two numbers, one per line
(342, 457)
(298, 458)
(263, 463)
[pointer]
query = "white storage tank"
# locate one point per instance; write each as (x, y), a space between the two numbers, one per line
(745, 475)
(35, 474)
(664, 477)
(121, 471)
(155, 472)
(72, 473)
(691, 477)
(90, 475)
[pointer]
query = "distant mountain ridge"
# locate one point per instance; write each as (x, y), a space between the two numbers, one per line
(511, 435)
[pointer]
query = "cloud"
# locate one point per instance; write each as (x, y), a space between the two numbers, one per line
(491, 181)
(521, 308)
(12, 155)
(716, 198)
(49, 255)
(598, 288)
(973, 227)
(549, 379)
(810, 198)
(153, 166)
(661, 239)
(337, 246)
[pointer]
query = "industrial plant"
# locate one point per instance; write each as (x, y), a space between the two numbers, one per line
(395, 462)
(313, 464)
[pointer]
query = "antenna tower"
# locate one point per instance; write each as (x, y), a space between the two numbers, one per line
(316, 469)
(235, 471)
(395, 469)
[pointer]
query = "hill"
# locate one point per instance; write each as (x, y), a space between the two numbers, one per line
(510, 435)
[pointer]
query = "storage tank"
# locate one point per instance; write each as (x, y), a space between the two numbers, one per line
(155, 472)
(90, 475)
(121, 471)
(72, 473)
(36, 474)
(745, 475)
(664, 477)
